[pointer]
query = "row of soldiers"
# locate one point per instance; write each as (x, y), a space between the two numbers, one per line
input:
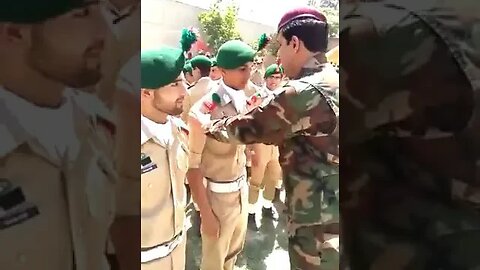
(225, 130)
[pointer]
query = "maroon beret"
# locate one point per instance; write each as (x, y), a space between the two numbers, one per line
(301, 13)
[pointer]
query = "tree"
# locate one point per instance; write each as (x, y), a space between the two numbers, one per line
(219, 25)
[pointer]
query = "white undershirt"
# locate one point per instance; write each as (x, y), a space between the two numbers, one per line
(50, 129)
(161, 133)
(239, 98)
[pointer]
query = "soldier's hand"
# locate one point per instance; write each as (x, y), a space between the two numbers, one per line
(210, 224)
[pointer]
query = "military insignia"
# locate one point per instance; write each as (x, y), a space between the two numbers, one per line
(185, 131)
(13, 207)
(109, 126)
(146, 164)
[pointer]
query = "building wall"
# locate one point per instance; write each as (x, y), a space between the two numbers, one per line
(163, 20)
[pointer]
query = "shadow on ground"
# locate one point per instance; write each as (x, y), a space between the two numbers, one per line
(265, 249)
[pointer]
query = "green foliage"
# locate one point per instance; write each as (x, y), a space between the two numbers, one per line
(219, 25)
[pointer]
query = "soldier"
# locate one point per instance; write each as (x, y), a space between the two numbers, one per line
(222, 202)
(257, 72)
(410, 136)
(188, 73)
(201, 70)
(302, 119)
(164, 156)
(215, 73)
(266, 169)
(56, 188)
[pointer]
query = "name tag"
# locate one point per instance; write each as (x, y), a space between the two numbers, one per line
(146, 164)
(13, 207)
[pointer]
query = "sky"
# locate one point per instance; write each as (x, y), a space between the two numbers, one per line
(266, 12)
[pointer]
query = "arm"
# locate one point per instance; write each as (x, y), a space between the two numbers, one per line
(288, 114)
(194, 175)
(125, 228)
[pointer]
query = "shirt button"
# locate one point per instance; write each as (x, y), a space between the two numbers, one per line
(22, 258)
(149, 185)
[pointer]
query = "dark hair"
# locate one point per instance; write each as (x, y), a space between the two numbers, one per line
(204, 70)
(313, 33)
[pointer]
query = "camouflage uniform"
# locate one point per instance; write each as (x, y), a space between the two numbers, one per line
(308, 154)
(410, 102)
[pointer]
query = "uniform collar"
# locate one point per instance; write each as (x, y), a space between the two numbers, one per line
(237, 97)
(161, 133)
(39, 131)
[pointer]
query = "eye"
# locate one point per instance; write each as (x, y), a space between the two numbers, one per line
(175, 84)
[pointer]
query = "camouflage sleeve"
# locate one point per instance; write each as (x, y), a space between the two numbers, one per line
(299, 110)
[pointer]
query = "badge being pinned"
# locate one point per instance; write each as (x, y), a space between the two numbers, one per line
(146, 163)
(209, 106)
(254, 100)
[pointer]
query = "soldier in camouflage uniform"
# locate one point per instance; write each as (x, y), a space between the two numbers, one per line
(302, 119)
(410, 134)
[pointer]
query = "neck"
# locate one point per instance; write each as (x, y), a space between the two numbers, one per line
(154, 115)
(309, 60)
(233, 87)
(31, 85)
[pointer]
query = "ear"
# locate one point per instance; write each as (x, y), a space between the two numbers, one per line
(295, 43)
(15, 33)
(145, 93)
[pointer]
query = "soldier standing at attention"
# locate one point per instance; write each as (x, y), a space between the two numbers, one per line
(302, 119)
(266, 169)
(56, 188)
(223, 201)
(164, 158)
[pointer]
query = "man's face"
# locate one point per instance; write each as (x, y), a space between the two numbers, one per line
(189, 77)
(215, 73)
(68, 48)
(169, 99)
(237, 78)
(273, 82)
(287, 54)
(197, 74)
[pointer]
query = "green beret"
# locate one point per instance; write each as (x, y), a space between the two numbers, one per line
(273, 69)
(233, 54)
(200, 60)
(34, 11)
(160, 67)
(187, 67)
(214, 61)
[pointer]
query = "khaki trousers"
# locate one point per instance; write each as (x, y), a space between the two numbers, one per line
(266, 175)
(231, 210)
(174, 261)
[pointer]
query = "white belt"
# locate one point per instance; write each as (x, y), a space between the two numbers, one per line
(161, 251)
(227, 186)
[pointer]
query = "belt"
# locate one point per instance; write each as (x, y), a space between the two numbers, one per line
(162, 250)
(227, 186)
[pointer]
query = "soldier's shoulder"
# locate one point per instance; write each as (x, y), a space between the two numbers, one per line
(92, 106)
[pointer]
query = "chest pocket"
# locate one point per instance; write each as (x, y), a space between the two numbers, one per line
(215, 147)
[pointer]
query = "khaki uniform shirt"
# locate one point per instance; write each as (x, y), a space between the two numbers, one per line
(56, 189)
(195, 93)
(218, 161)
(164, 166)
